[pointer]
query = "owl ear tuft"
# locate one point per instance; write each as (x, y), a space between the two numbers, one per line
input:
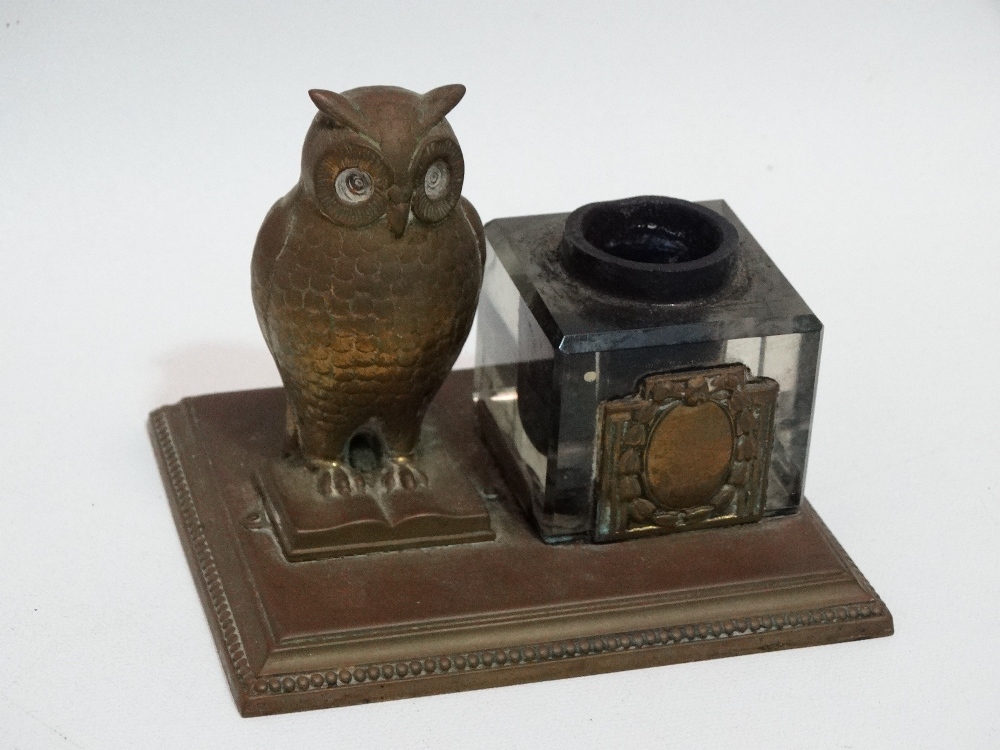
(440, 101)
(338, 108)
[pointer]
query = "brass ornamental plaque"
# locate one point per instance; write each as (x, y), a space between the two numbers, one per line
(690, 450)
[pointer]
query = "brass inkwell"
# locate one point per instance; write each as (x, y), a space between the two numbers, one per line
(617, 484)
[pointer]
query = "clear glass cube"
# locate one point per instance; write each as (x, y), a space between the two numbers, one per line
(552, 348)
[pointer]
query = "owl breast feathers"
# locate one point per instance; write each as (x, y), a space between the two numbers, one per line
(367, 274)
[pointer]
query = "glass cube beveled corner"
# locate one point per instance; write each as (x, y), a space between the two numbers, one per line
(552, 349)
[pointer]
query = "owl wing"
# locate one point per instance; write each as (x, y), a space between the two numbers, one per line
(476, 223)
(271, 240)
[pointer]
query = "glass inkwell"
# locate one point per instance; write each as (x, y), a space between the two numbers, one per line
(643, 367)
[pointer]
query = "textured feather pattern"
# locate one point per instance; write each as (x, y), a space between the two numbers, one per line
(364, 326)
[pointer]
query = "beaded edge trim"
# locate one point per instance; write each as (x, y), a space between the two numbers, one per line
(569, 649)
(210, 577)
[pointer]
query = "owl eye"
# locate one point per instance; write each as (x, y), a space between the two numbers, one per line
(439, 189)
(354, 186)
(436, 180)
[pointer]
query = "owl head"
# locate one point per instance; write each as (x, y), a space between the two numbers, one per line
(383, 152)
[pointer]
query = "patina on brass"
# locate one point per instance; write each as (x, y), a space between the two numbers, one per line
(362, 628)
(688, 451)
(365, 282)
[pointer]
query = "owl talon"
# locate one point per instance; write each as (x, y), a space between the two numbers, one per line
(335, 482)
(403, 475)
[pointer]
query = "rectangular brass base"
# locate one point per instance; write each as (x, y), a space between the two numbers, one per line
(346, 630)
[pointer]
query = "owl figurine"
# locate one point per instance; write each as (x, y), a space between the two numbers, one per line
(366, 277)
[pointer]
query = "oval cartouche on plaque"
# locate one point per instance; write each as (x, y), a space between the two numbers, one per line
(688, 455)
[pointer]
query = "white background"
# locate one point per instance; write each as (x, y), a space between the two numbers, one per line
(140, 147)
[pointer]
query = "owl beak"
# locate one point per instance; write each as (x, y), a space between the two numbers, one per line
(398, 215)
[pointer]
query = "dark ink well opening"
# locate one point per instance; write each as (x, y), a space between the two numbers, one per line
(652, 247)
(660, 235)
(364, 452)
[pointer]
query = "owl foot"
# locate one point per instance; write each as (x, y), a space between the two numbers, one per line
(402, 474)
(336, 481)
